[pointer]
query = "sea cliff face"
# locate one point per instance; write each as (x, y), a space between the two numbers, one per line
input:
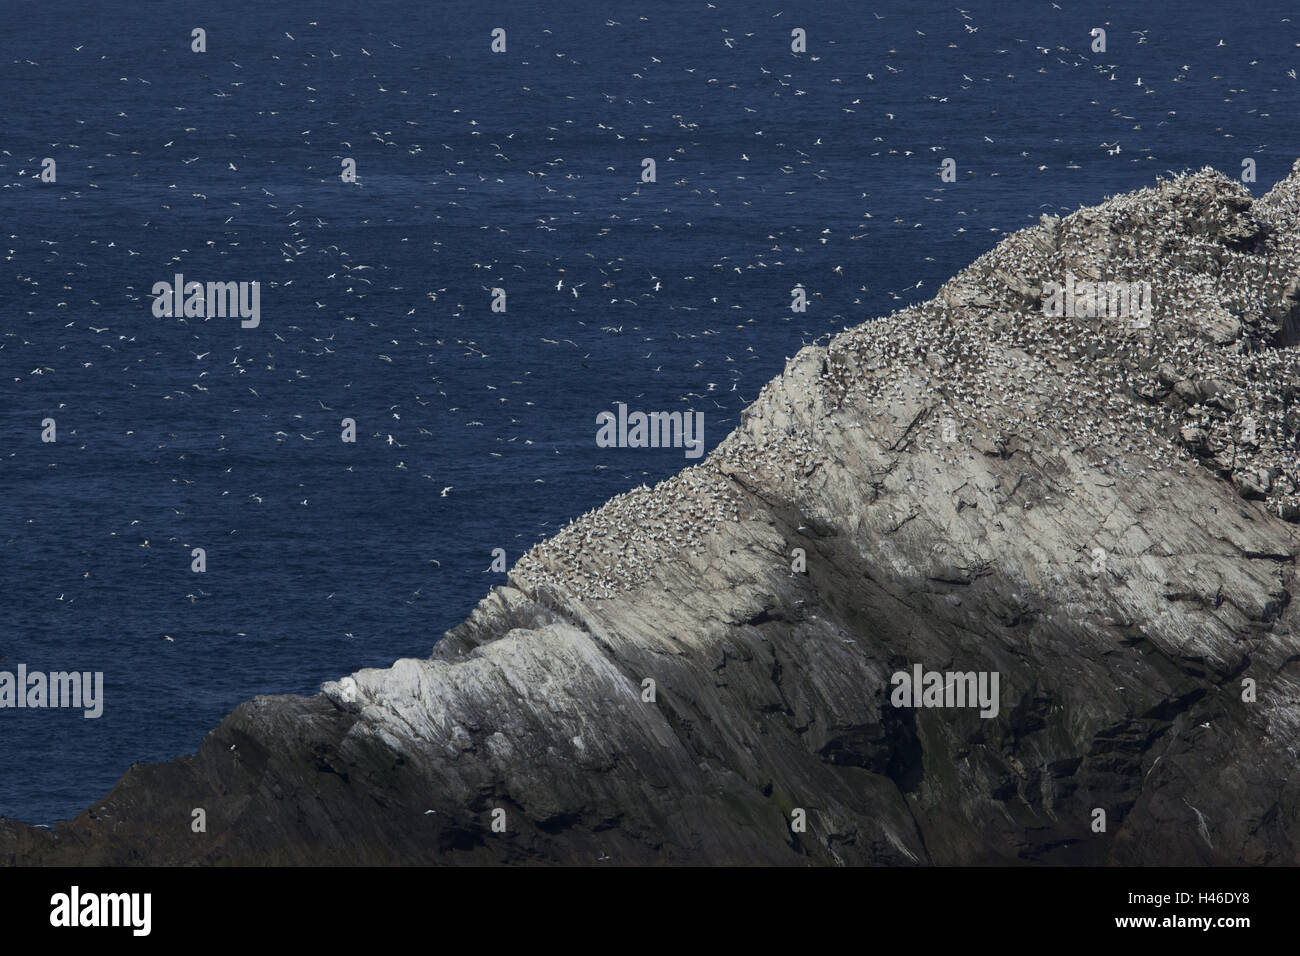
(1096, 506)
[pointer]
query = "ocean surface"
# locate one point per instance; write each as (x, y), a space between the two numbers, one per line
(477, 170)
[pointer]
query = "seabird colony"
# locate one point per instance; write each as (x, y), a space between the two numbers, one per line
(1210, 382)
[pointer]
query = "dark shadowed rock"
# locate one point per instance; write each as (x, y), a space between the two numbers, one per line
(1110, 531)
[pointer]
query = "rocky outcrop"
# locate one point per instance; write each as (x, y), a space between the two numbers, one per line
(1098, 510)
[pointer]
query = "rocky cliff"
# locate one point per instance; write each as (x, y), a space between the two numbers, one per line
(1098, 510)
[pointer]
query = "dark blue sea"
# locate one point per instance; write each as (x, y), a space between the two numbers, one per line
(478, 170)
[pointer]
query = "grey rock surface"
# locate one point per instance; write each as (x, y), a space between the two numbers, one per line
(1111, 530)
